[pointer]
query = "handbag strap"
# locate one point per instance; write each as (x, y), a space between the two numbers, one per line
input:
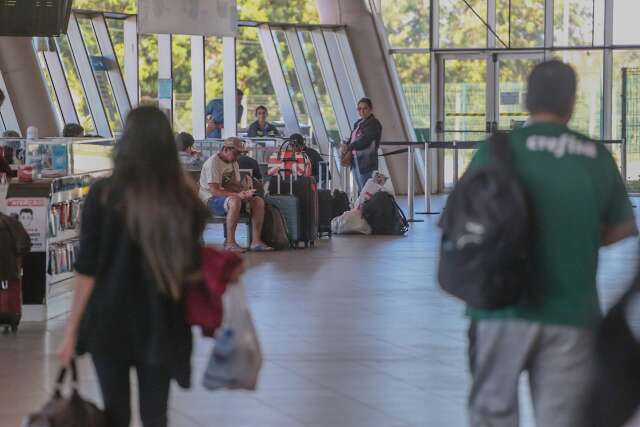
(62, 375)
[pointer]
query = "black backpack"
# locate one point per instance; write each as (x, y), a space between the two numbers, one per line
(615, 394)
(486, 234)
(384, 215)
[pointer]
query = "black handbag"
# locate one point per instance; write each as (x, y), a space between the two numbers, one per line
(71, 411)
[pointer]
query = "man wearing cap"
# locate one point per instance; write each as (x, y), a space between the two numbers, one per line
(221, 188)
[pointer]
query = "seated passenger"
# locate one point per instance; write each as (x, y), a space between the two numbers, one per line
(73, 130)
(222, 189)
(261, 127)
(246, 162)
(189, 156)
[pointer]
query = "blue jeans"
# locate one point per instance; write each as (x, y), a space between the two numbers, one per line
(360, 178)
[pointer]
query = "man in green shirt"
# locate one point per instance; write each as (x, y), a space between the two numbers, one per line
(579, 204)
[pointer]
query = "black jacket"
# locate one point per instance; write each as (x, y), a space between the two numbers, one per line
(255, 131)
(366, 143)
(127, 318)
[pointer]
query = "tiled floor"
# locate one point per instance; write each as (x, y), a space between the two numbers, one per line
(354, 332)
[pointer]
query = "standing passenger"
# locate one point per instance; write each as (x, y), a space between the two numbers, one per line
(579, 203)
(261, 128)
(364, 143)
(139, 247)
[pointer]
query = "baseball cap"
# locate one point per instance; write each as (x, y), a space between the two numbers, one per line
(236, 143)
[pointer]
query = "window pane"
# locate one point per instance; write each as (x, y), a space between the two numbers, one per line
(406, 22)
(75, 85)
(465, 111)
(527, 23)
(292, 81)
(279, 11)
(99, 67)
(253, 77)
(122, 6)
(625, 22)
(629, 60)
(213, 66)
(148, 69)
(50, 90)
(413, 70)
(512, 83)
(587, 117)
(181, 62)
(328, 114)
(459, 26)
(116, 31)
(578, 22)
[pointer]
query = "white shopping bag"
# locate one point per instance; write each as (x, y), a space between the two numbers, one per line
(236, 358)
(350, 222)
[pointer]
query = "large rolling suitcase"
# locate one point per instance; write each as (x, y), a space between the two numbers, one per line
(289, 207)
(10, 304)
(14, 244)
(304, 188)
(325, 200)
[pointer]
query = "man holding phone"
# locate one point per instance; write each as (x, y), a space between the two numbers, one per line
(224, 192)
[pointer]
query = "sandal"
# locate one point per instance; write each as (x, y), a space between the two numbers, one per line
(262, 248)
(234, 247)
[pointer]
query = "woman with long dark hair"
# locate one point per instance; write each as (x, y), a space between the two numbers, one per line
(364, 143)
(139, 247)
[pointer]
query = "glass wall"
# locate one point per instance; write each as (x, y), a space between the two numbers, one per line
(253, 77)
(587, 117)
(413, 70)
(519, 23)
(286, 60)
(75, 85)
(406, 22)
(181, 57)
(148, 69)
(328, 113)
(578, 22)
(100, 67)
(460, 27)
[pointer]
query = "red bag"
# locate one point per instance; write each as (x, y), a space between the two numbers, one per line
(287, 158)
(203, 302)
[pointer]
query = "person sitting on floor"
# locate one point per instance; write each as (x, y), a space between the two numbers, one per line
(222, 189)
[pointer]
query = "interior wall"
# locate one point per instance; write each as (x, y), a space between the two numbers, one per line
(26, 86)
(370, 60)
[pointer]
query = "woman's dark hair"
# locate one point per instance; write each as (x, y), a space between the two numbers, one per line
(1, 96)
(366, 101)
(161, 209)
(297, 140)
(551, 88)
(184, 141)
(72, 130)
(261, 107)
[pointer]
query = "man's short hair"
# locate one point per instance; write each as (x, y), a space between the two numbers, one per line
(26, 210)
(239, 92)
(261, 107)
(10, 134)
(72, 130)
(551, 88)
(1, 97)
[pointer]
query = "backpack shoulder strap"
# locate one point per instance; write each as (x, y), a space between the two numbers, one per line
(500, 148)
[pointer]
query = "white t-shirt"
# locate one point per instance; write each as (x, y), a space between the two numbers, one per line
(217, 171)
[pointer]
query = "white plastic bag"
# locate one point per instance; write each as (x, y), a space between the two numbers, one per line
(372, 186)
(350, 222)
(236, 358)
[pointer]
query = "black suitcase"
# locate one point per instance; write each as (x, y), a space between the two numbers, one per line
(289, 206)
(325, 200)
(306, 190)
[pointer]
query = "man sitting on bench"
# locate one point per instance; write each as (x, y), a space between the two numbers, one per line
(223, 191)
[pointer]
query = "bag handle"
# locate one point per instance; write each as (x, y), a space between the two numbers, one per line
(57, 392)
